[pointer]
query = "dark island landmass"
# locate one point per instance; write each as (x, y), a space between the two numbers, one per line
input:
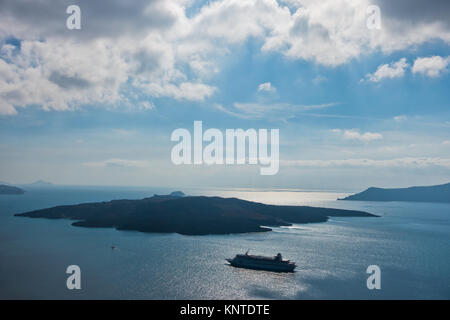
(439, 193)
(189, 215)
(5, 189)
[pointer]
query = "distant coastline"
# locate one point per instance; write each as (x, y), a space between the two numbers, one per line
(190, 215)
(438, 193)
(5, 189)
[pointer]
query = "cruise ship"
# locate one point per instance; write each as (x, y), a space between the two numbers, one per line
(276, 263)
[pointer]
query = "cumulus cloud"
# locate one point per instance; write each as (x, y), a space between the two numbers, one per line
(431, 66)
(356, 135)
(333, 32)
(390, 71)
(266, 86)
(121, 45)
(60, 75)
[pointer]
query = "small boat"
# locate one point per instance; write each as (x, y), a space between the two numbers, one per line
(276, 263)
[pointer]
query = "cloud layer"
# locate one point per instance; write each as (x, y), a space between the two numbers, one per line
(127, 53)
(356, 135)
(410, 162)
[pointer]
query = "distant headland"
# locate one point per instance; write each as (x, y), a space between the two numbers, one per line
(189, 215)
(177, 194)
(5, 189)
(439, 193)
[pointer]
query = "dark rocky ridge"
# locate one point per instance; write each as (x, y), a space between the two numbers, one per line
(439, 193)
(189, 215)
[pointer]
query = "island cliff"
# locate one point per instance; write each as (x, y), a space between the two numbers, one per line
(439, 193)
(189, 215)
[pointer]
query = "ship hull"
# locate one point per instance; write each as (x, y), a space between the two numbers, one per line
(259, 266)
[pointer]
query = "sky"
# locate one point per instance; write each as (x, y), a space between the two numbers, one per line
(355, 106)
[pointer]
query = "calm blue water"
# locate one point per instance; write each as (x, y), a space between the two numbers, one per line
(410, 243)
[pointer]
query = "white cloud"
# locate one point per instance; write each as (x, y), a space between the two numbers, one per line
(431, 66)
(333, 32)
(58, 70)
(60, 75)
(63, 75)
(266, 86)
(390, 71)
(275, 111)
(355, 135)
(234, 21)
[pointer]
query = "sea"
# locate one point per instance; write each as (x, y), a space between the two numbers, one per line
(409, 242)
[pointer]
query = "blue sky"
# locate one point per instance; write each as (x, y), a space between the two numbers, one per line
(354, 109)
